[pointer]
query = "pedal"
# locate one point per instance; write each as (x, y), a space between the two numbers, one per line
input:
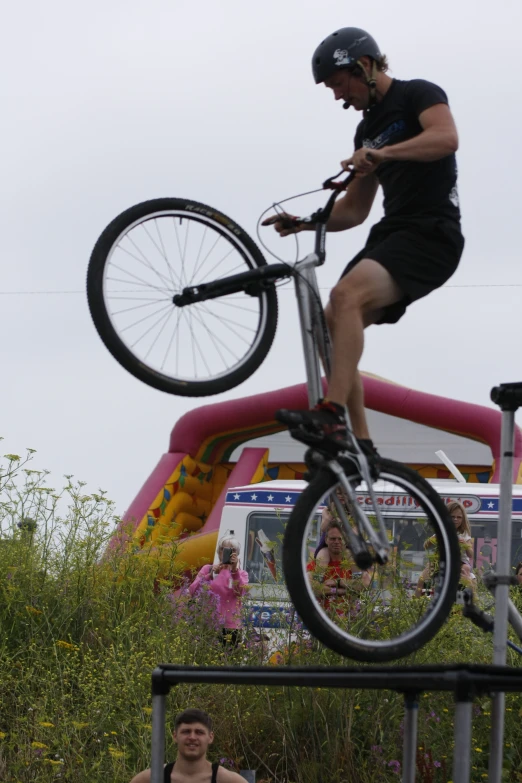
(318, 440)
(306, 435)
(290, 418)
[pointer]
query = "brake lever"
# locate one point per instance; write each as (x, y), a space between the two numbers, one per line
(330, 184)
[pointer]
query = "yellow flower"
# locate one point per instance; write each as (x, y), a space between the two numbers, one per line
(147, 710)
(116, 752)
(357, 707)
(78, 725)
(38, 745)
(66, 645)
(479, 750)
(54, 762)
(2, 734)
(148, 726)
(46, 724)
(32, 610)
(115, 733)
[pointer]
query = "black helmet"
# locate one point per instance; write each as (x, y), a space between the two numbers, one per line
(341, 50)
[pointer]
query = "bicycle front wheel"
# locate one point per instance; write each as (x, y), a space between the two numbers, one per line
(383, 613)
(146, 256)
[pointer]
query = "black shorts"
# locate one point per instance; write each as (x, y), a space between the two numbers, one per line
(419, 252)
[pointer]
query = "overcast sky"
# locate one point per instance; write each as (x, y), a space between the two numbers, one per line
(105, 104)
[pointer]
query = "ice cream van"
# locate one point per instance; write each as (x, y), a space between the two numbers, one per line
(257, 513)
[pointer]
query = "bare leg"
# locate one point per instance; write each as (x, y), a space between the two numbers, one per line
(356, 410)
(355, 302)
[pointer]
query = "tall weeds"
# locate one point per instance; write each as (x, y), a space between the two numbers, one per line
(80, 633)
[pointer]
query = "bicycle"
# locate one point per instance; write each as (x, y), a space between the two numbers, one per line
(202, 327)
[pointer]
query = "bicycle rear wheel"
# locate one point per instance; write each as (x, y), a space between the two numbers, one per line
(146, 256)
(377, 616)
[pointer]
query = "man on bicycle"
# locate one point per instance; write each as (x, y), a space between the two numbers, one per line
(405, 142)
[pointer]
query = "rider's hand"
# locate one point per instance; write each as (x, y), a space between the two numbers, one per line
(281, 226)
(364, 161)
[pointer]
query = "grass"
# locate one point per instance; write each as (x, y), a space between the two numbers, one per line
(81, 633)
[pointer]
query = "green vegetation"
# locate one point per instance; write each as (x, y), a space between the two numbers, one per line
(81, 632)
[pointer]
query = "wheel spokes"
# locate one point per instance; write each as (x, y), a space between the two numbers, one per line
(155, 259)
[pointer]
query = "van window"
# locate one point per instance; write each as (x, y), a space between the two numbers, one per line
(263, 546)
(264, 539)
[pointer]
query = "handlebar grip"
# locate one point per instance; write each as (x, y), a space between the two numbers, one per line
(288, 221)
(330, 183)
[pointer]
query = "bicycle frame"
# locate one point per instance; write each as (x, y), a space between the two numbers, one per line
(316, 347)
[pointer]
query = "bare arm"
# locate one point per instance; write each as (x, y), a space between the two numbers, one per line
(142, 777)
(354, 207)
(438, 139)
(326, 518)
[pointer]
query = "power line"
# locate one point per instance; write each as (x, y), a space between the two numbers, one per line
(321, 288)
(37, 293)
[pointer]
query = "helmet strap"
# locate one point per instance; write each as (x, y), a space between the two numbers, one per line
(371, 82)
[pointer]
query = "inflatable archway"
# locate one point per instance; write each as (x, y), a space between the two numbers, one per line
(181, 501)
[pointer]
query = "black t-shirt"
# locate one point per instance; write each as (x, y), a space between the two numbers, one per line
(410, 187)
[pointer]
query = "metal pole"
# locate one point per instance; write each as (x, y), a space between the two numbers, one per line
(462, 735)
(502, 569)
(409, 751)
(158, 738)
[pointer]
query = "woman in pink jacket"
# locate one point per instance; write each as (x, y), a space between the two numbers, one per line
(228, 584)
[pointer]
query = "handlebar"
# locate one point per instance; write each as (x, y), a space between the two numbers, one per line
(321, 215)
(319, 218)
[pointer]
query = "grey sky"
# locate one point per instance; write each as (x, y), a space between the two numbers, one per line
(108, 104)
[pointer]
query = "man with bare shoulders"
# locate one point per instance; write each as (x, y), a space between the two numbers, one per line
(192, 734)
(331, 577)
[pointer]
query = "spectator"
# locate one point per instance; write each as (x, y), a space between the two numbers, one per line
(193, 735)
(228, 583)
(329, 514)
(459, 517)
(518, 574)
(333, 580)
